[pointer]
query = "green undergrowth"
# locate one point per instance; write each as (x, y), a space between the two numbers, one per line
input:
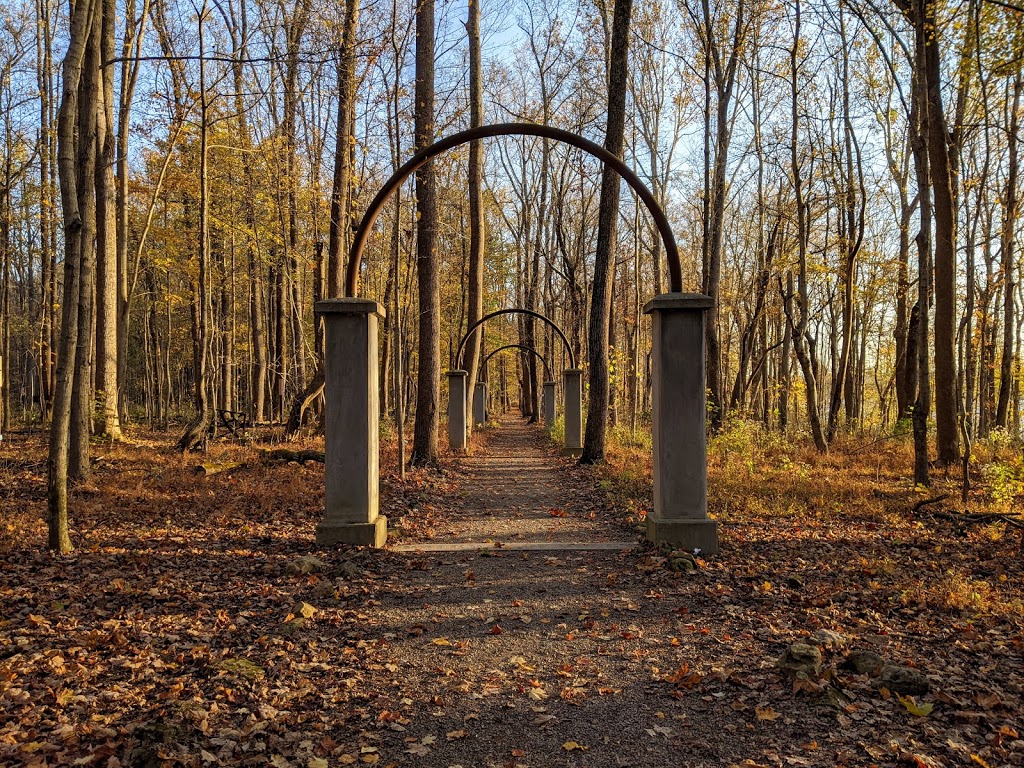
(558, 430)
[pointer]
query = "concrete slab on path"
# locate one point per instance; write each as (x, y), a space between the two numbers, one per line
(512, 546)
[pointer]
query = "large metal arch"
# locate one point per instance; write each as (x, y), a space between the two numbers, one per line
(524, 348)
(515, 311)
(362, 234)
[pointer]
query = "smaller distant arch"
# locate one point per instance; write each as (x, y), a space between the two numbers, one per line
(524, 348)
(515, 311)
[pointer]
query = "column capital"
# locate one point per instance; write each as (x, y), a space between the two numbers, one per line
(349, 306)
(679, 302)
(454, 374)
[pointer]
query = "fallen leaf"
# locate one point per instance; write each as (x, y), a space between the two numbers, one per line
(684, 677)
(570, 746)
(918, 710)
(766, 713)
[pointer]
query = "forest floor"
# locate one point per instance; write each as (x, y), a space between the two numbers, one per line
(198, 624)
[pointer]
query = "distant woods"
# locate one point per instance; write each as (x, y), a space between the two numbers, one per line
(179, 184)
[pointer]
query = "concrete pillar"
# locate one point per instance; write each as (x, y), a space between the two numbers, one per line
(457, 410)
(351, 429)
(479, 404)
(679, 415)
(550, 409)
(573, 380)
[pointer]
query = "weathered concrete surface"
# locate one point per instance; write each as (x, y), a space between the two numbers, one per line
(479, 404)
(363, 534)
(351, 413)
(457, 440)
(573, 393)
(550, 409)
(679, 415)
(525, 546)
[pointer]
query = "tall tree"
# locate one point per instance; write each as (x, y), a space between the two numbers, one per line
(604, 255)
(798, 317)
(195, 432)
(922, 169)
(1010, 205)
(131, 55)
(340, 191)
(475, 303)
(721, 63)
(85, 347)
(75, 178)
(853, 201)
(942, 160)
(107, 262)
(428, 391)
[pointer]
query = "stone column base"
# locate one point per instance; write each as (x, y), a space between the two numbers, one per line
(572, 451)
(684, 534)
(361, 534)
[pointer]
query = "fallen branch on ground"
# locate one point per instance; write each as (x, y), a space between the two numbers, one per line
(926, 502)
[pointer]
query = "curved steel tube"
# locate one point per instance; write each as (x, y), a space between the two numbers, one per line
(531, 350)
(513, 311)
(355, 259)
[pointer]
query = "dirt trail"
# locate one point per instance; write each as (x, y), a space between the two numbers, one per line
(515, 490)
(493, 657)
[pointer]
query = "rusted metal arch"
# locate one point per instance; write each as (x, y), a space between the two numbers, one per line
(355, 259)
(531, 350)
(514, 311)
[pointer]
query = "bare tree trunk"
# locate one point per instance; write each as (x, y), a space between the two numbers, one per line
(721, 64)
(238, 28)
(906, 360)
(106, 242)
(784, 360)
(130, 51)
(604, 257)
(428, 393)
(942, 175)
(195, 433)
(475, 309)
(801, 342)
(47, 213)
(338, 231)
(1009, 242)
(81, 396)
(853, 231)
(919, 130)
(70, 158)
